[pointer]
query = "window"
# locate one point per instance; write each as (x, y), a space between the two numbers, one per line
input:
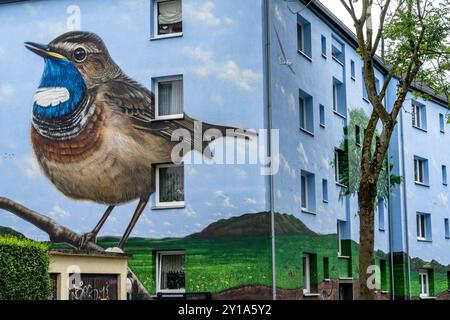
(352, 70)
(339, 237)
(308, 197)
(309, 272)
(169, 98)
(339, 98)
(168, 18)
(324, 46)
(303, 36)
(306, 112)
(419, 116)
(441, 123)
(170, 275)
(326, 268)
(322, 115)
(424, 284)
(364, 89)
(377, 85)
(446, 228)
(444, 175)
(423, 226)
(339, 163)
(383, 274)
(325, 190)
(337, 50)
(357, 135)
(420, 170)
(170, 185)
(380, 209)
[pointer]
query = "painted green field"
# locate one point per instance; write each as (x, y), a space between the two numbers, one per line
(214, 265)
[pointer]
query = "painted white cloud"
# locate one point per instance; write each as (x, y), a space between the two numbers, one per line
(29, 166)
(204, 13)
(286, 167)
(146, 220)
(51, 29)
(291, 103)
(442, 199)
(226, 200)
(59, 212)
(229, 71)
(189, 212)
(6, 91)
(302, 153)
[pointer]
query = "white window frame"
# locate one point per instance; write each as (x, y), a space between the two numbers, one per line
(156, 35)
(418, 119)
(157, 82)
(335, 97)
(339, 238)
(421, 225)
(424, 282)
(337, 167)
(159, 255)
(172, 204)
(306, 273)
(419, 171)
(303, 114)
(304, 189)
(301, 44)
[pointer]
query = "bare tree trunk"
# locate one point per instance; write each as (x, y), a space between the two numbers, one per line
(61, 234)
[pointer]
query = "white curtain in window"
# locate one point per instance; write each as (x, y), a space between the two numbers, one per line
(171, 184)
(171, 264)
(169, 12)
(170, 98)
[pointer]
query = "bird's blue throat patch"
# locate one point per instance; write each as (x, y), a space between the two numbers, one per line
(61, 74)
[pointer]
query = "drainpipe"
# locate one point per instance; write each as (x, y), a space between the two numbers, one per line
(268, 74)
(391, 246)
(406, 208)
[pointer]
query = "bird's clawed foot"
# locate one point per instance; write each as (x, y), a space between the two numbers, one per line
(86, 238)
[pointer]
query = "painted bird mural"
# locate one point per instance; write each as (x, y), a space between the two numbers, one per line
(94, 131)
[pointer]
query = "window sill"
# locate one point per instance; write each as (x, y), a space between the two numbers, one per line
(424, 240)
(427, 298)
(339, 114)
(168, 206)
(339, 62)
(353, 78)
(443, 132)
(308, 212)
(324, 56)
(171, 117)
(327, 279)
(168, 36)
(345, 278)
(419, 128)
(384, 292)
(340, 185)
(305, 55)
(310, 295)
(421, 184)
(307, 132)
(325, 201)
(381, 229)
(366, 100)
(322, 126)
(343, 257)
(445, 184)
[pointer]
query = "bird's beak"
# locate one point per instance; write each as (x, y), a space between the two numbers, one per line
(43, 50)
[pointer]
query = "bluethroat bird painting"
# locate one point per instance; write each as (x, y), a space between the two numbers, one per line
(93, 128)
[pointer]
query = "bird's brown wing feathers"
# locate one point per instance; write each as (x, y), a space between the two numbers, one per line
(131, 98)
(137, 102)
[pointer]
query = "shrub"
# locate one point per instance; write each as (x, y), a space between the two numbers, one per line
(23, 270)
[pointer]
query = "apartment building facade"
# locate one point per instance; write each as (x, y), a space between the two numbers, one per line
(222, 227)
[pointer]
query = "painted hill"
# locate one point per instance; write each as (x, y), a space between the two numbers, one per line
(256, 224)
(6, 231)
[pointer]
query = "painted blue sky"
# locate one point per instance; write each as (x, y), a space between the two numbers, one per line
(220, 57)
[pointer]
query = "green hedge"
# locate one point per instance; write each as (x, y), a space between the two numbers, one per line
(23, 270)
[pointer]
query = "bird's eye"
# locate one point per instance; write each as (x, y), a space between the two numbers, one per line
(79, 54)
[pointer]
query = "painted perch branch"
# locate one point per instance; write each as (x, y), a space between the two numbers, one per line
(61, 234)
